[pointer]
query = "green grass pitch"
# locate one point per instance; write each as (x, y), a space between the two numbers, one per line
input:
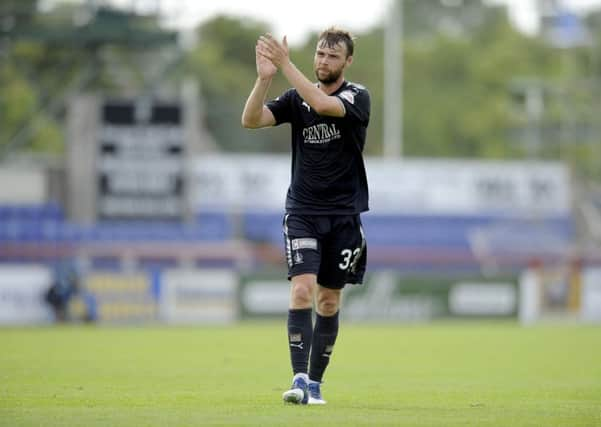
(442, 374)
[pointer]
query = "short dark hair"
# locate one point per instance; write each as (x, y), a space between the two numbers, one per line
(330, 37)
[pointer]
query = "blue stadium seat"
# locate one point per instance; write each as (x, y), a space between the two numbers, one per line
(412, 230)
(263, 227)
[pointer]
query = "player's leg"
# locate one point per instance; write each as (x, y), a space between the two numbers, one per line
(302, 253)
(339, 250)
(324, 338)
(300, 332)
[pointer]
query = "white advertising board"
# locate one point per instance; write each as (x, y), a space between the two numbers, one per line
(412, 186)
(199, 296)
(266, 297)
(482, 299)
(22, 290)
(591, 295)
(240, 182)
(23, 186)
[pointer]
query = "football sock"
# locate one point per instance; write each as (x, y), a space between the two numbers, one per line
(303, 376)
(300, 333)
(324, 338)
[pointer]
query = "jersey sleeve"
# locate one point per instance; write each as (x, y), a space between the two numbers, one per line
(356, 102)
(281, 107)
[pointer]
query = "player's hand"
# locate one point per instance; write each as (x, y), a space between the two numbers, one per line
(273, 50)
(265, 68)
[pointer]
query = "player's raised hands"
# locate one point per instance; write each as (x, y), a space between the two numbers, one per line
(265, 68)
(270, 48)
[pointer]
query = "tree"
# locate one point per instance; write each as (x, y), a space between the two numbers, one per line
(49, 57)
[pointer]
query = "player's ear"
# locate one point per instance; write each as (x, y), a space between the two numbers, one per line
(349, 60)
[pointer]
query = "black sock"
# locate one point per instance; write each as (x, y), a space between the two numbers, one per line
(300, 333)
(324, 338)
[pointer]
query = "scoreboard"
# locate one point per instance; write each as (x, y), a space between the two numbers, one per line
(140, 161)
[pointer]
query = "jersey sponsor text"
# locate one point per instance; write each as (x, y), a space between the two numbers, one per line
(321, 133)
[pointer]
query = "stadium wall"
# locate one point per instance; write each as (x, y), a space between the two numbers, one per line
(222, 296)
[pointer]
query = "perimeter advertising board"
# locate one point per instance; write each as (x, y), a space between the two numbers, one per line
(411, 186)
(391, 297)
(22, 291)
(199, 296)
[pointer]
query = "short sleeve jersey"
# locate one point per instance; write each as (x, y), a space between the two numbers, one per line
(328, 172)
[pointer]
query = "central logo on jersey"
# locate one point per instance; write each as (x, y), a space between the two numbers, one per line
(321, 133)
(306, 105)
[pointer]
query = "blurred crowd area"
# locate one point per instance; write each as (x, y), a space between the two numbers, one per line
(128, 189)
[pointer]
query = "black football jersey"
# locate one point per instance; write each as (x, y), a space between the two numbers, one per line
(328, 173)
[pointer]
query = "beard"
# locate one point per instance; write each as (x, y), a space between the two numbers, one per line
(330, 76)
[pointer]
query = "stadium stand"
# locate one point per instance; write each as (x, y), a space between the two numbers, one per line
(41, 233)
(408, 242)
(427, 242)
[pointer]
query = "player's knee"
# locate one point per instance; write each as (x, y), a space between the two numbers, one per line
(328, 303)
(301, 295)
(327, 308)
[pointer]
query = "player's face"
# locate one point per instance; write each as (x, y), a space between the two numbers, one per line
(329, 62)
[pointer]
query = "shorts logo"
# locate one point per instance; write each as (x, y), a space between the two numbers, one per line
(298, 258)
(305, 243)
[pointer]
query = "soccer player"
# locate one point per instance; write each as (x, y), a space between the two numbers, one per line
(324, 240)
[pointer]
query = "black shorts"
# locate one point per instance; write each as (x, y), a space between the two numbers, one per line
(331, 246)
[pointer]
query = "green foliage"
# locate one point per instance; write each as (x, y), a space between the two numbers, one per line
(224, 63)
(47, 57)
(18, 98)
(460, 69)
(465, 70)
(18, 105)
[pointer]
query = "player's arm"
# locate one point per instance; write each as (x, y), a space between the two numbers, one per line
(256, 114)
(322, 104)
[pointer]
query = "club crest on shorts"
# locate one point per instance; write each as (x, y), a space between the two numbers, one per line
(298, 258)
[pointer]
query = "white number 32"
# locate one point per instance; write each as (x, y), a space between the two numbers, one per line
(348, 256)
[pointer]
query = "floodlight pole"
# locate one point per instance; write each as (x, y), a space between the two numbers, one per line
(393, 82)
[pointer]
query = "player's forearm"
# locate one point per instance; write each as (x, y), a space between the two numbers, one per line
(316, 98)
(253, 109)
